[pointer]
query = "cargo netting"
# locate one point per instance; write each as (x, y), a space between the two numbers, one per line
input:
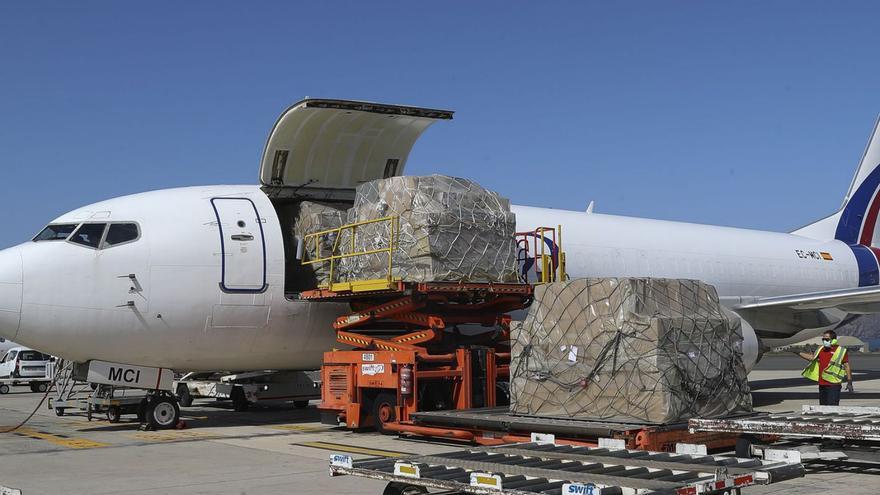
(313, 217)
(652, 350)
(447, 229)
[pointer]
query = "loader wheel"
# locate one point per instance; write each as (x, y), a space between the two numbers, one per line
(384, 407)
(184, 398)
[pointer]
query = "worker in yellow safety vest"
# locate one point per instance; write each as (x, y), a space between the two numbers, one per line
(828, 366)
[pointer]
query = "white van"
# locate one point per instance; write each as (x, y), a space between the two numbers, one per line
(23, 365)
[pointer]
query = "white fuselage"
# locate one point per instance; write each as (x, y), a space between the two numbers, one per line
(160, 301)
(740, 263)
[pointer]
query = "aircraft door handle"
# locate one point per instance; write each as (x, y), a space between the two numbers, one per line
(242, 237)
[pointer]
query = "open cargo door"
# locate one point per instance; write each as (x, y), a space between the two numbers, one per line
(322, 149)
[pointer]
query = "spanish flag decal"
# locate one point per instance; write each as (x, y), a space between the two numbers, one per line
(826, 256)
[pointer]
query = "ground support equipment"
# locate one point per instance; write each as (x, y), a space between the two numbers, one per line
(530, 468)
(410, 352)
(36, 384)
(496, 426)
(853, 430)
(154, 409)
(248, 388)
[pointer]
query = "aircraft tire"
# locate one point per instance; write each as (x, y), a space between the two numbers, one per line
(162, 412)
(114, 414)
(239, 401)
(184, 398)
(384, 412)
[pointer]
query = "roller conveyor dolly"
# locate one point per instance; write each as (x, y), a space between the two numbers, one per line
(833, 422)
(532, 468)
(496, 425)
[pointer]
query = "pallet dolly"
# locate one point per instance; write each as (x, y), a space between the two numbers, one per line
(849, 431)
(546, 468)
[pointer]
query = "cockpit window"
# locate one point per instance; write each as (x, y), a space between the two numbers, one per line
(57, 232)
(120, 233)
(89, 234)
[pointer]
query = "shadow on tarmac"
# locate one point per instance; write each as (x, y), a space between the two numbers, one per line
(798, 381)
(775, 396)
(211, 414)
(842, 467)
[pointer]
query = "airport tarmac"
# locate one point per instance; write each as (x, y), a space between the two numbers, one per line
(285, 450)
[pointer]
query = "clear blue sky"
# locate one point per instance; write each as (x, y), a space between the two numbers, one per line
(750, 114)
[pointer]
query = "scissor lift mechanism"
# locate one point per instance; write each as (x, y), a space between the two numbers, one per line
(532, 468)
(408, 353)
(379, 382)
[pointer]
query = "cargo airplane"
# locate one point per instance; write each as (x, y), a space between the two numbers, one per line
(202, 278)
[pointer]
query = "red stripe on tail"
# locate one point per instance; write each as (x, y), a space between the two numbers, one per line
(870, 221)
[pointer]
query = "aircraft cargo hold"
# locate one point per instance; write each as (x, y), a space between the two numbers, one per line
(315, 217)
(651, 350)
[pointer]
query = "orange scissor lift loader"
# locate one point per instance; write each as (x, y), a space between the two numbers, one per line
(408, 364)
(409, 354)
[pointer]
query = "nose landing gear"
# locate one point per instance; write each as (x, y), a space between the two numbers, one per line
(163, 411)
(159, 411)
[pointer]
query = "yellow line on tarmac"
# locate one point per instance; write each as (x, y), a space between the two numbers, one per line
(174, 436)
(71, 443)
(352, 449)
(299, 428)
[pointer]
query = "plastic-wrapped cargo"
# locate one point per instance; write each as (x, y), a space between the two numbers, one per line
(651, 350)
(449, 229)
(312, 218)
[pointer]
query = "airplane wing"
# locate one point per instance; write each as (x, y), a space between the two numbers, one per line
(861, 300)
(786, 315)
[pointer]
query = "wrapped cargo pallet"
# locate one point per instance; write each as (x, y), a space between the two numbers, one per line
(651, 350)
(313, 218)
(449, 229)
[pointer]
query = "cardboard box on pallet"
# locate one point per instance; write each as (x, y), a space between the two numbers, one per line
(312, 218)
(650, 350)
(450, 229)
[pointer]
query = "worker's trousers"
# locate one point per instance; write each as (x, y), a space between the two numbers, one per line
(829, 395)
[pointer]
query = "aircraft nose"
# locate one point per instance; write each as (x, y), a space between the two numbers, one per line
(11, 282)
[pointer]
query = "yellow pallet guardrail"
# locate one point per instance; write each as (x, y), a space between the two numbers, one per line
(546, 268)
(338, 254)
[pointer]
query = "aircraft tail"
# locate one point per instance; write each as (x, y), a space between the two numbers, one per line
(856, 223)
